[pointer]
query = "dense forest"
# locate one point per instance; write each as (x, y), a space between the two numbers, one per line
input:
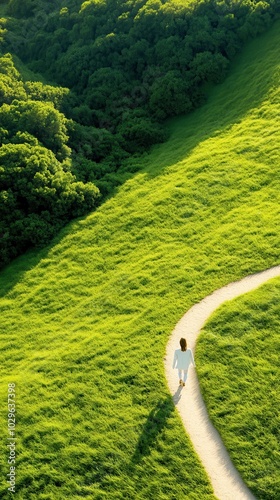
(115, 71)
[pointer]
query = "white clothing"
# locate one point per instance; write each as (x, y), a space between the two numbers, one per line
(183, 359)
(185, 376)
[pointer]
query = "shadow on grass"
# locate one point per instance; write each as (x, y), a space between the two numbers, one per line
(14, 272)
(154, 425)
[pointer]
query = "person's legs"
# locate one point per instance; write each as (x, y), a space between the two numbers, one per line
(183, 382)
(180, 376)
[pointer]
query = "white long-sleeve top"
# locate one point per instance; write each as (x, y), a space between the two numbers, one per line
(183, 359)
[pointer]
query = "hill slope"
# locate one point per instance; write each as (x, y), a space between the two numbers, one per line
(85, 322)
(125, 67)
(238, 359)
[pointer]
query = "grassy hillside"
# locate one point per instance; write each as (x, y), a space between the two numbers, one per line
(238, 360)
(84, 323)
(125, 67)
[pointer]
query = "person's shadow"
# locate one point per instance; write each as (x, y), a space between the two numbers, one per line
(153, 426)
(177, 396)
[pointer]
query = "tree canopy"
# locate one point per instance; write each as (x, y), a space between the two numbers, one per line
(119, 69)
(38, 191)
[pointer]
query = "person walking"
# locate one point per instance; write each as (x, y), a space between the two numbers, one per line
(182, 359)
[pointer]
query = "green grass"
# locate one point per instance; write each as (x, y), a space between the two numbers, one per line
(238, 364)
(84, 323)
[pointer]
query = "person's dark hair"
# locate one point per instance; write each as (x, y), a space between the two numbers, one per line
(183, 344)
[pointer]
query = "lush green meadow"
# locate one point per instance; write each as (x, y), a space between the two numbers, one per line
(238, 364)
(84, 323)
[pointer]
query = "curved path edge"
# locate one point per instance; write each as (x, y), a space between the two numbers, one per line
(226, 481)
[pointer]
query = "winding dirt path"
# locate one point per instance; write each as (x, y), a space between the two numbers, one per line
(225, 479)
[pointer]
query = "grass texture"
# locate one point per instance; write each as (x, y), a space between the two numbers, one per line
(239, 368)
(85, 322)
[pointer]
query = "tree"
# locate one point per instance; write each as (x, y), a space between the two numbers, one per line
(39, 119)
(208, 67)
(38, 196)
(140, 132)
(20, 8)
(169, 96)
(11, 86)
(37, 91)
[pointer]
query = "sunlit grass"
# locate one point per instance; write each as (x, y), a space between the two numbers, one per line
(84, 323)
(239, 369)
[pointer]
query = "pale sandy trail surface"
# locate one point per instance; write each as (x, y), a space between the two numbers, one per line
(225, 479)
